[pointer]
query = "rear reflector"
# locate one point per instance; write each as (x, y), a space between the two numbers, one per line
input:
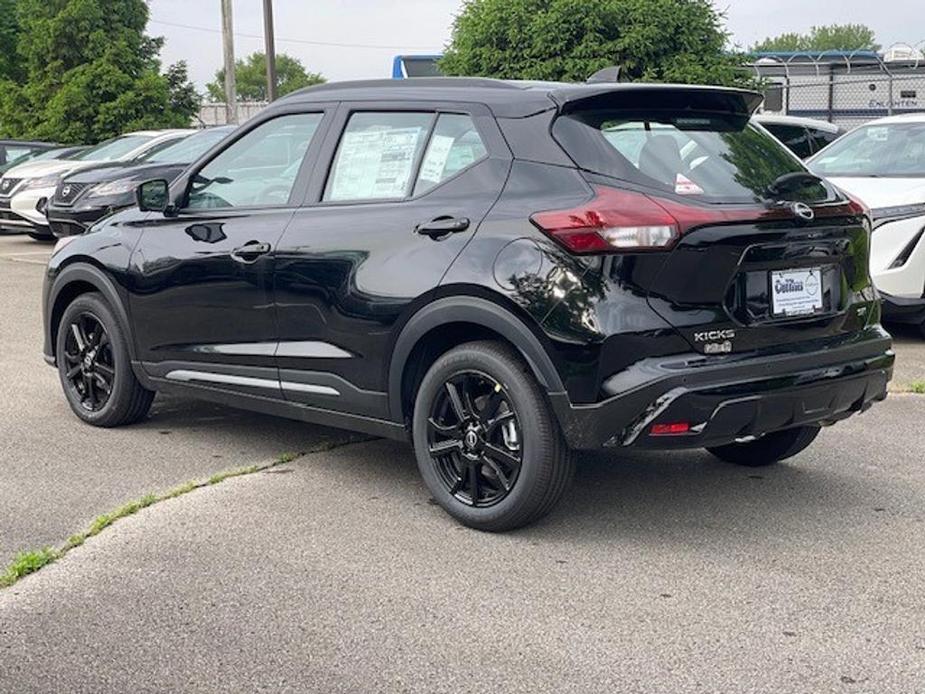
(615, 220)
(671, 429)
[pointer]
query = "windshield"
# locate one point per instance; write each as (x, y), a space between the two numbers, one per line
(713, 158)
(114, 149)
(894, 149)
(188, 149)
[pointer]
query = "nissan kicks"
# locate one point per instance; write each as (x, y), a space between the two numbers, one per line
(501, 272)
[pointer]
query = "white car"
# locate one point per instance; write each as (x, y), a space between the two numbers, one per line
(882, 163)
(25, 189)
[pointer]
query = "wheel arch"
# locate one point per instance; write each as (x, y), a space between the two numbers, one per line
(446, 322)
(81, 278)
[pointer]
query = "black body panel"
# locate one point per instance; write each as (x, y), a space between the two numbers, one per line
(338, 307)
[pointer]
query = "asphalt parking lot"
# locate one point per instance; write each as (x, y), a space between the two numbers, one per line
(335, 573)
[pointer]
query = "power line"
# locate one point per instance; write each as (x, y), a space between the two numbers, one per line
(305, 41)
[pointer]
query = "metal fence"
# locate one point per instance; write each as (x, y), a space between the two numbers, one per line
(215, 113)
(844, 88)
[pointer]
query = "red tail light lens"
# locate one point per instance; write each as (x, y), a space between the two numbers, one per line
(671, 429)
(612, 220)
(616, 220)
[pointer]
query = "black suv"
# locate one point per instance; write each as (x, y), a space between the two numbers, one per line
(501, 272)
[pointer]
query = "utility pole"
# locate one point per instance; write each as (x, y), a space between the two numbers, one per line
(231, 100)
(271, 49)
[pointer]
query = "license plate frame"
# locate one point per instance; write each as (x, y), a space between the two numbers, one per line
(796, 292)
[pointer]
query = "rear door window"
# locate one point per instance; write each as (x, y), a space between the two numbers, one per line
(377, 156)
(454, 145)
(713, 158)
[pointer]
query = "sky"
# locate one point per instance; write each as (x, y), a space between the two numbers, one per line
(356, 39)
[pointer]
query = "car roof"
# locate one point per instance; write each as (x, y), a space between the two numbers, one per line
(29, 143)
(899, 118)
(511, 98)
(796, 120)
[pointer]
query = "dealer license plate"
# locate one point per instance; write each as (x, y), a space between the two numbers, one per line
(796, 292)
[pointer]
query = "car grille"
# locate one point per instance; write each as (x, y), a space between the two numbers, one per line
(66, 193)
(7, 185)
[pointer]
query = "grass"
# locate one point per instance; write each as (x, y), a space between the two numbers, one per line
(28, 562)
(917, 387)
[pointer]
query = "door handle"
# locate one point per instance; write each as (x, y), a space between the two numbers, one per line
(249, 252)
(442, 226)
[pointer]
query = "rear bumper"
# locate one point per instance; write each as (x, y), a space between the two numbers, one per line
(723, 399)
(899, 309)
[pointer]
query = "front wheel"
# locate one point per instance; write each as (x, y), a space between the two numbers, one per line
(769, 449)
(94, 366)
(486, 443)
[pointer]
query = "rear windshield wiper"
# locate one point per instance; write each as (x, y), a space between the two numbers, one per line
(788, 182)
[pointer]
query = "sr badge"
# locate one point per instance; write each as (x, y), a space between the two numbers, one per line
(717, 341)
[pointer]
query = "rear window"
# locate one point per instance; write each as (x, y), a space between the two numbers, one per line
(719, 159)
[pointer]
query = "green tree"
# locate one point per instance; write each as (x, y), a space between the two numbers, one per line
(835, 37)
(668, 40)
(9, 35)
(89, 72)
(250, 75)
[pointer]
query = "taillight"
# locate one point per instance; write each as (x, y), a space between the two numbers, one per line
(616, 220)
(612, 220)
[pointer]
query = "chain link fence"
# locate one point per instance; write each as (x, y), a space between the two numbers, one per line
(847, 89)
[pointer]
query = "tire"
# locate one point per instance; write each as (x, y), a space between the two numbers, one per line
(103, 359)
(497, 393)
(769, 449)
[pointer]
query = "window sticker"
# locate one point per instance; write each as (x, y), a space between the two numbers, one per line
(437, 154)
(375, 163)
(878, 134)
(685, 186)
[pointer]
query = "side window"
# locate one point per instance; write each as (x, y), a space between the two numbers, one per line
(259, 169)
(821, 138)
(794, 137)
(454, 146)
(376, 156)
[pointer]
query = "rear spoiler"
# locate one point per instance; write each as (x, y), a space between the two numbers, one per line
(652, 96)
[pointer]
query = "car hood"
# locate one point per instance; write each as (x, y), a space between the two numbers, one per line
(115, 171)
(883, 192)
(39, 169)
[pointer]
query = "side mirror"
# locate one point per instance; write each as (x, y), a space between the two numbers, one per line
(153, 196)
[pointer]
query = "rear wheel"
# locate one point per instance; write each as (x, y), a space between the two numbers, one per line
(94, 366)
(769, 449)
(486, 443)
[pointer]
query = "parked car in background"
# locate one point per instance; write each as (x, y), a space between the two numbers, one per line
(883, 164)
(25, 189)
(493, 270)
(802, 136)
(44, 155)
(12, 151)
(87, 195)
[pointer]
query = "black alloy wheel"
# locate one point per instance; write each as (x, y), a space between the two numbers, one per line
(94, 365)
(89, 364)
(474, 438)
(487, 444)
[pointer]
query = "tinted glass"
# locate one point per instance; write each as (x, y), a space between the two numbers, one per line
(895, 149)
(710, 158)
(114, 149)
(377, 155)
(795, 137)
(823, 138)
(188, 149)
(259, 169)
(454, 145)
